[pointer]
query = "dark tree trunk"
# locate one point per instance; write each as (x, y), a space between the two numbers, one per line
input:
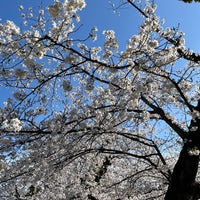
(182, 185)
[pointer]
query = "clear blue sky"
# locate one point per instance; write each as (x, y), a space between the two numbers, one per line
(100, 13)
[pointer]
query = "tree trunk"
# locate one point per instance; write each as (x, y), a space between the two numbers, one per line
(182, 185)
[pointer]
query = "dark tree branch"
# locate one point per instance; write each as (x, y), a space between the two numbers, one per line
(163, 116)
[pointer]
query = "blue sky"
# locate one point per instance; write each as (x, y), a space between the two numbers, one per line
(100, 13)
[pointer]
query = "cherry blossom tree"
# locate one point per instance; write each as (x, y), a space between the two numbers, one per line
(88, 122)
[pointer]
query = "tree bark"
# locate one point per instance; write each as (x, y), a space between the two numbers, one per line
(182, 185)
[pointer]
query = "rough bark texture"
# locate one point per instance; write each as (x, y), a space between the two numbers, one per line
(183, 185)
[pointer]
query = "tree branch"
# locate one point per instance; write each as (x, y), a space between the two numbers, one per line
(163, 116)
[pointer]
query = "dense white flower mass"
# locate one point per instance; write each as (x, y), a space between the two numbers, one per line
(55, 10)
(75, 5)
(11, 27)
(12, 125)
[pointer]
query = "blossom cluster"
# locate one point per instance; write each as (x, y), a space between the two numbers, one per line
(12, 125)
(56, 9)
(111, 43)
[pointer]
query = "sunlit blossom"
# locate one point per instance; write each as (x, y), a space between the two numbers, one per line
(12, 125)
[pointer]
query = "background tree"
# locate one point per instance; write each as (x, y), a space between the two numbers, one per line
(90, 122)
